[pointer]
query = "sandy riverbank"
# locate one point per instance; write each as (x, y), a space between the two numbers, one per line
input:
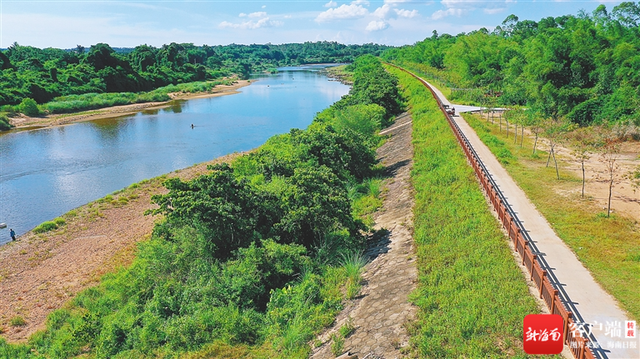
(41, 272)
(23, 122)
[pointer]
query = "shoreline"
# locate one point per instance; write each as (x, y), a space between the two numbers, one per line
(41, 272)
(28, 123)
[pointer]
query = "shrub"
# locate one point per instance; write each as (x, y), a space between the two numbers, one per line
(45, 227)
(17, 321)
(29, 107)
(4, 123)
(338, 345)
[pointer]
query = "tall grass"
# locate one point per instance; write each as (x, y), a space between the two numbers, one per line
(366, 199)
(89, 101)
(471, 294)
(608, 247)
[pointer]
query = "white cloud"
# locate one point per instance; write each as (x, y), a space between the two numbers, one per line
(331, 4)
(343, 12)
(494, 10)
(460, 7)
(449, 12)
(406, 13)
(360, 2)
(251, 24)
(264, 6)
(242, 14)
(382, 11)
(377, 25)
(258, 14)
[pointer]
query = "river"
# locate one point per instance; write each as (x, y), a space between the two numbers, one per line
(46, 172)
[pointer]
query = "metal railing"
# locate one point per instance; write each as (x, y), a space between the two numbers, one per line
(581, 343)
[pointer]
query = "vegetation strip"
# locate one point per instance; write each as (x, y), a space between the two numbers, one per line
(471, 294)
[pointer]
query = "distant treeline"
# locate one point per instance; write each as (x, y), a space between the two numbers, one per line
(585, 67)
(44, 74)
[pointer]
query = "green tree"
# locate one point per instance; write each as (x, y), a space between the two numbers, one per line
(584, 144)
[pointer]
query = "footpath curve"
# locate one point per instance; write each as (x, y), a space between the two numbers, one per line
(592, 305)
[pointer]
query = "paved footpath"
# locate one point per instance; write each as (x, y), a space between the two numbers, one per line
(594, 304)
(382, 309)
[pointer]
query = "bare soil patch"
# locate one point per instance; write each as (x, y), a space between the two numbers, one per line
(382, 310)
(625, 199)
(41, 272)
(118, 111)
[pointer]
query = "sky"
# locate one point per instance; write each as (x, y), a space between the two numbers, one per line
(68, 23)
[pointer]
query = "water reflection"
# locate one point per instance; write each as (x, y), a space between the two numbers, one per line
(47, 172)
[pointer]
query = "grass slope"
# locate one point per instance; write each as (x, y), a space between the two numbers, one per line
(608, 247)
(471, 294)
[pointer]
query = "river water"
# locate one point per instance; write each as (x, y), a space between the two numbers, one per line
(44, 173)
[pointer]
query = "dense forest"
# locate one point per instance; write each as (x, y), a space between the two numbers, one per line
(81, 78)
(583, 67)
(252, 259)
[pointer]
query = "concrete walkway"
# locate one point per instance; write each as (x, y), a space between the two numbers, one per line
(595, 305)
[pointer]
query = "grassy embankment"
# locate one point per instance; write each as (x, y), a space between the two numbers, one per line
(608, 247)
(250, 260)
(471, 294)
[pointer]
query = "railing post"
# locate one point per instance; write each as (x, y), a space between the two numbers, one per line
(582, 347)
(566, 327)
(544, 274)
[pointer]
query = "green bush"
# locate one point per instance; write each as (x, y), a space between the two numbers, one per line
(4, 123)
(45, 227)
(17, 321)
(29, 107)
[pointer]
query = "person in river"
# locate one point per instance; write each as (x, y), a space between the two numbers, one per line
(12, 233)
(192, 126)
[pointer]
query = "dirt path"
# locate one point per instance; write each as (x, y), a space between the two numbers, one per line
(381, 311)
(40, 272)
(118, 111)
(594, 303)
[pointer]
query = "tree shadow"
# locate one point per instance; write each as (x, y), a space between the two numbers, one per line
(378, 243)
(392, 170)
